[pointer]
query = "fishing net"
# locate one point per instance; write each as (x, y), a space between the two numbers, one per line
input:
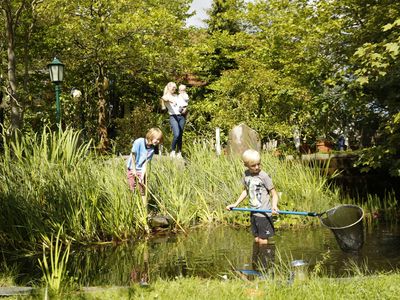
(345, 221)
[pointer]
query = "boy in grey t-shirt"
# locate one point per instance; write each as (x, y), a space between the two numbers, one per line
(259, 187)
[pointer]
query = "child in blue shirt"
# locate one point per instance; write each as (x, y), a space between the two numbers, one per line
(142, 152)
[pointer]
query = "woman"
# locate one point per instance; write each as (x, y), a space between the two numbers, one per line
(176, 119)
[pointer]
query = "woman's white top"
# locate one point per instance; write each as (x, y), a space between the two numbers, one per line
(173, 108)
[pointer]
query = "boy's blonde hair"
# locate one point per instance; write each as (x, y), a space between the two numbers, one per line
(251, 156)
(154, 133)
(182, 87)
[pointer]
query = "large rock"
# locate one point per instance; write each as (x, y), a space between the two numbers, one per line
(241, 138)
(15, 290)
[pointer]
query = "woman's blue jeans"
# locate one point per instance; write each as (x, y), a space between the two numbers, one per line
(177, 123)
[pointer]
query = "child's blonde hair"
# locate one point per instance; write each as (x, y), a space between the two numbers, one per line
(153, 133)
(182, 87)
(251, 156)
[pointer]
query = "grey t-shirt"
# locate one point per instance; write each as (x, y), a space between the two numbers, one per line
(258, 187)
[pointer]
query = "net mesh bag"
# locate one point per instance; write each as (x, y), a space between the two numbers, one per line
(345, 221)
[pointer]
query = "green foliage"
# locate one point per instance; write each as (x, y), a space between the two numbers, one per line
(137, 45)
(375, 287)
(224, 16)
(53, 179)
(386, 155)
(275, 74)
(54, 271)
(378, 74)
(323, 67)
(8, 274)
(253, 95)
(140, 120)
(377, 59)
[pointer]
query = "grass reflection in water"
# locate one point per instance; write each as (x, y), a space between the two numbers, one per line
(216, 252)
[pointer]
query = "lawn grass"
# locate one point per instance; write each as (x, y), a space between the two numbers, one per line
(361, 287)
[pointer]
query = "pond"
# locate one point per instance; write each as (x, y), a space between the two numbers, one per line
(216, 252)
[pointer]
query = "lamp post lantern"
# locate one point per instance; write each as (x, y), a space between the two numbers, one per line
(56, 70)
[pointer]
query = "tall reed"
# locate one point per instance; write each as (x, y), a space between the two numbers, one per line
(199, 190)
(53, 178)
(377, 209)
(54, 271)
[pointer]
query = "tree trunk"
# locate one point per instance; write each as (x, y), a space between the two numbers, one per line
(1, 115)
(102, 104)
(11, 21)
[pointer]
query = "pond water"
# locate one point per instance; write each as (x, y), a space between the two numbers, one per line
(216, 252)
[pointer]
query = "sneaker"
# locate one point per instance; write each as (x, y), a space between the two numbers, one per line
(172, 154)
(179, 155)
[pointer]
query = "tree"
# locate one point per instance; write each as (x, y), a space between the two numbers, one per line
(378, 74)
(223, 16)
(12, 11)
(137, 43)
(280, 63)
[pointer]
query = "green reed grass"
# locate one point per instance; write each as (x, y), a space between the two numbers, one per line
(54, 178)
(54, 268)
(377, 209)
(8, 274)
(200, 190)
(197, 191)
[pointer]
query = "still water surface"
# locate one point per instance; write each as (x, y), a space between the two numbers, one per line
(217, 251)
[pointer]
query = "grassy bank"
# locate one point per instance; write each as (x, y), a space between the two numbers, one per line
(54, 188)
(376, 287)
(200, 189)
(361, 287)
(50, 181)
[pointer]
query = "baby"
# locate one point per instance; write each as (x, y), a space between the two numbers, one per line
(183, 99)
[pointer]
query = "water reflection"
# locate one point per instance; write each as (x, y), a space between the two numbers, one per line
(218, 252)
(263, 257)
(263, 261)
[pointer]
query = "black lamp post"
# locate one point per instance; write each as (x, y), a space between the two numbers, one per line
(56, 70)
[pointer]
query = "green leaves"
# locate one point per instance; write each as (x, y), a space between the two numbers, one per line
(393, 48)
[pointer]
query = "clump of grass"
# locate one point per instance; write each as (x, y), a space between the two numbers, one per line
(319, 267)
(52, 178)
(200, 190)
(8, 274)
(54, 269)
(376, 287)
(377, 209)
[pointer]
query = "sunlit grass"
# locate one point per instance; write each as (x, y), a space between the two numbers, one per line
(377, 209)
(7, 275)
(52, 178)
(200, 190)
(54, 263)
(362, 287)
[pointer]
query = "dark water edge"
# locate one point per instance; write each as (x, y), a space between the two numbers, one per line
(360, 186)
(217, 252)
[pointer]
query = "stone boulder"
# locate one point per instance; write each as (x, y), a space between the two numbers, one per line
(241, 138)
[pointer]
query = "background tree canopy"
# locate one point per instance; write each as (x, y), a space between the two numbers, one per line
(324, 68)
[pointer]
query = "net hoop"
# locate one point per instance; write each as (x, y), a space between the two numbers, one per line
(347, 226)
(350, 237)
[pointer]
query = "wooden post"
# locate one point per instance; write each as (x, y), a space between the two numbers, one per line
(217, 141)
